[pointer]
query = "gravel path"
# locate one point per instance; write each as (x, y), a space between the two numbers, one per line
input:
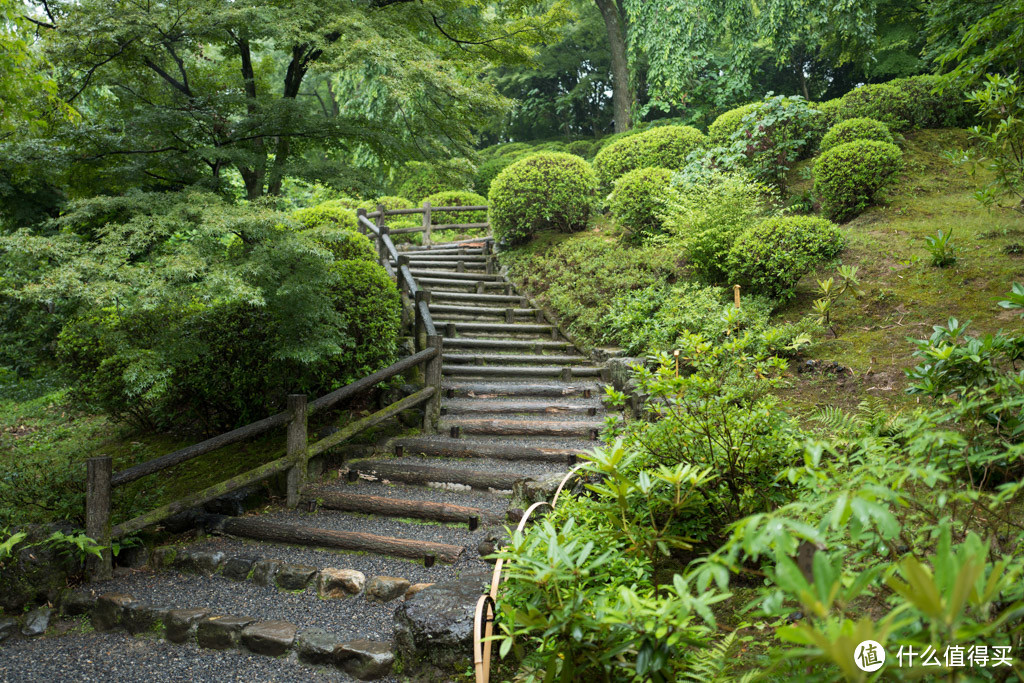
(120, 657)
(346, 618)
(526, 469)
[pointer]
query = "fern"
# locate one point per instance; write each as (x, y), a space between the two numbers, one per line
(719, 663)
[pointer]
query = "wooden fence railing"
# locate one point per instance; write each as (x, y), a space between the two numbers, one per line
(101, 480)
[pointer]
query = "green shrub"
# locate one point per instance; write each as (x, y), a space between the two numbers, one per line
(664, 146)
(335, 213)
(774, 134)
(212, 315)
(705, 215)
(581, 148)
(393, 203)
(489, 170)
(453, 198)
(829, 112)
(652, 319)
(855, 129)
(883, 102)
(343, 245)
(636, 201)
(932, 109)
(728, 123)
(772, 256)
(550, 146)
(457, 198)
(847, 177)
(549, 190)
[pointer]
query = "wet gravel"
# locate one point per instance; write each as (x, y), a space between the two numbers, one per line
(347, 618)
(120, 657)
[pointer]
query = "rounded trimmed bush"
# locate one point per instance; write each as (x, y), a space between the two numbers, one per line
(773, 255)
(934, 109)
(369, 301)
(847, 177)
(829, 112)
(728, 123)
(334, 213)
(423, 179)
(489, 170)
(581, 148)
(548, 190)
(664, 146)
(881, 101)
(855, 129)
(344, 245)
(636, 201)
(457, 198)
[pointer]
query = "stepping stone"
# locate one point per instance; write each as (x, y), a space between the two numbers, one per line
(220, 631)
(139, 617)
(181, 623)
(109, 611)
(339, 583)
(238, 568)
(294, 577)
(316, 646)
(36, 622)
(364, 659)
(264, 571)
(8, 627)
(271, 638)
(386, 588)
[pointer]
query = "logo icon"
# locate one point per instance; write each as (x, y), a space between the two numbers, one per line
(869, 656)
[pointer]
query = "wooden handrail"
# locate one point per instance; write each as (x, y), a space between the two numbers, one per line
(483, 626)
(360, 385)
(406, 212)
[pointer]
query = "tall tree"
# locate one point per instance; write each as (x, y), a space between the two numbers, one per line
(622, 92)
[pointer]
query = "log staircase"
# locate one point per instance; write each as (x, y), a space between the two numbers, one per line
(519, 402)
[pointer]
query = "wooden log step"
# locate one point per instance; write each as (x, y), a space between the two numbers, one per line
(585, 429)
(448, 282)
(428, 257)
(452, 275)
(470, 448)
(512, 344)
(398, 507)
(424, 474)
(470, 389)
(529, 406)
(495, 327)
(481, 298)
(490, 358)
(480, 310)
(520, 371)
(417, 264)
(278, 532)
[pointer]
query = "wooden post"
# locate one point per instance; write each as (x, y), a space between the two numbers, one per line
(736, 295)
(359, 223)
(97, 514)
(432, 409)
(381, 225)
(426, 224)
(421, 330)
(297, 451)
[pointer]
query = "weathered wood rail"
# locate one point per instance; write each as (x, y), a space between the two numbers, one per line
(298, 451)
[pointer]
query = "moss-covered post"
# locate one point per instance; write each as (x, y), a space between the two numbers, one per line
(297, 451)
(432, 410)
(426, 224)
(359, 223)
(403, 291)
(382, 229)
(422, 300)
(97, 514)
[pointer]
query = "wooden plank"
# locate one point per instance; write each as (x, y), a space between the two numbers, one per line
(350, 430)
(458, 448)
(264, 530)
(462, 226)
(360, 385)
(217, 490)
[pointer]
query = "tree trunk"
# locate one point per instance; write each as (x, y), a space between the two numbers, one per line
(622, 94)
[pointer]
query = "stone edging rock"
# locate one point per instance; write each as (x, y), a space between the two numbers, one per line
(362, 659)
(330, 583)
